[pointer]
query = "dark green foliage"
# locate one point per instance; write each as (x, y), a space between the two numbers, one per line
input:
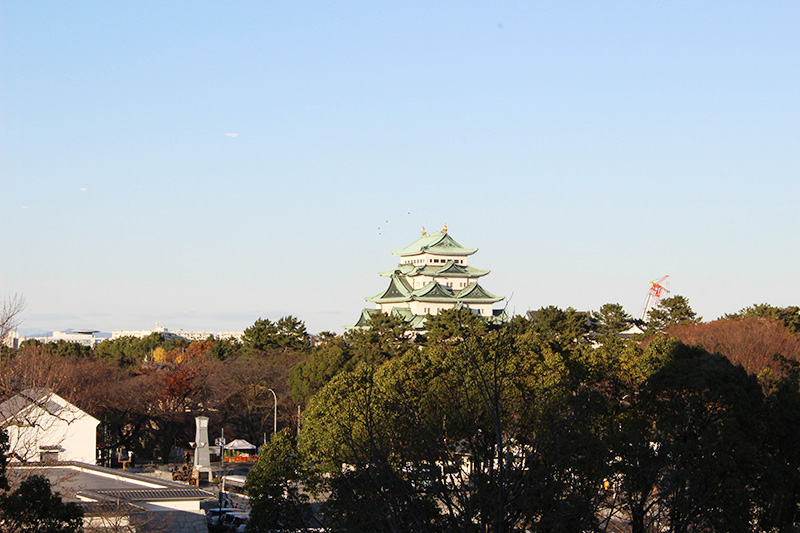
(453, 325)
(671, 311)
(326, 360)
(276, 503)
(611, 320)
(778, 462)
(560, 326)
(264, 335)
(524, 429)
(223, 349)
(33, 507)
(379, 499)
(688, 444)
(128, 352)
(383, 340)
(59, 348)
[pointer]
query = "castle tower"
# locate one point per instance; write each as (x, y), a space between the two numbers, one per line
(433, 274)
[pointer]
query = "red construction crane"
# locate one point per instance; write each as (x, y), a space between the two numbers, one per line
(654, 295)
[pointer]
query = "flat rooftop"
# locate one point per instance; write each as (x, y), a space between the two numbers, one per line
(79, 482)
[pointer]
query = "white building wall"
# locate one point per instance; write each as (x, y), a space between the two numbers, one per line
(432, 259)
(387, 308)
(424, 308)
(455, 283)
(69, 431)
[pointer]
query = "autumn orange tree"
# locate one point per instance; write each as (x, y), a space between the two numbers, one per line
(757, 344)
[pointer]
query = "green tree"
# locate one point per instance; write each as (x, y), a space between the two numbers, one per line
(778, 494)
(129, 352)
(384, 339)
(671, 311)
(59, 348)
(264, 335)
(326, 360)
(611, 319)
(275, 500)
(224, 349)
(484, 434)
(292, 333)
(33, 507)
(453, 325)
(560, 326)
(688, 443)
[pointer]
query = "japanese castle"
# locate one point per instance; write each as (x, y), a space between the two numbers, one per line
(433, 274)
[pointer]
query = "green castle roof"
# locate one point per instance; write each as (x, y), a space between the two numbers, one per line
(475, 293)
(363, 320)
(399, 291)
(450, 269)
(415, 322)
(435, 243)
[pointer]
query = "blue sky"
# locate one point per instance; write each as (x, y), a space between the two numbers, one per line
(203, 164)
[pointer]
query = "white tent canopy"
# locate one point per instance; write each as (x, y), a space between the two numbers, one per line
(239, 444)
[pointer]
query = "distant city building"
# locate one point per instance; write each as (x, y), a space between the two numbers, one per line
(142, 333)
(12, 340)
(188, 335)
(85, 337)
(433, 274)
(203, 335)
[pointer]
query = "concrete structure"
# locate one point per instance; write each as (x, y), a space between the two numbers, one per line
(433, 274)
(44, 427)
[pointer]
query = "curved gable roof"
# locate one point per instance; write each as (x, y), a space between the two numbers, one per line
(435, 243)
(474, 292)
(397, 291)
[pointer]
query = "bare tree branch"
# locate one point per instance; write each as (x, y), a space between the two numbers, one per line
(10, 309)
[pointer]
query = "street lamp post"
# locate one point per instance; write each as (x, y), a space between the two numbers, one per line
(221, 471)
(274, 413)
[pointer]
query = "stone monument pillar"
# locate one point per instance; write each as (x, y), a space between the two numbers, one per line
(202, 456)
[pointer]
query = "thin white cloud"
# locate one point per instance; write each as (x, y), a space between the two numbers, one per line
(83, 189)
(24, 207)
(231, 135)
